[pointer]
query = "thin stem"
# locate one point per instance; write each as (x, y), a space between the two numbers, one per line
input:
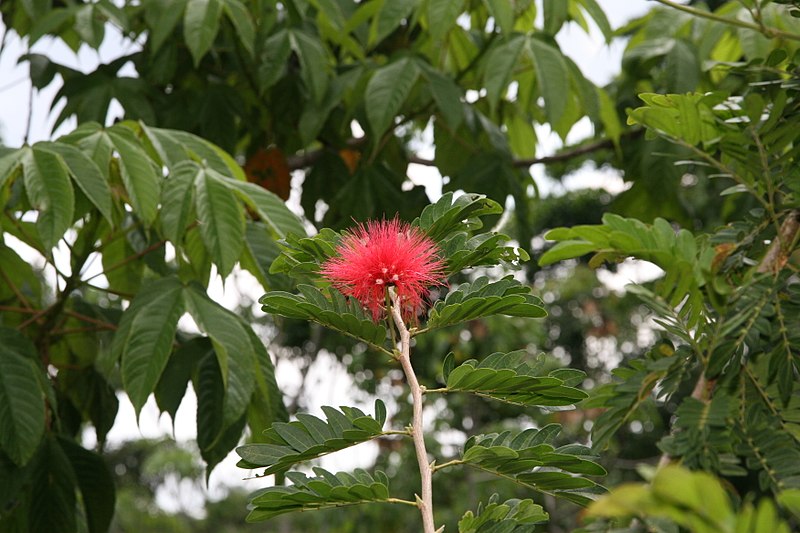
(425, 503)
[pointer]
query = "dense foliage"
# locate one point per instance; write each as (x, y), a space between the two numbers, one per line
(112, 233)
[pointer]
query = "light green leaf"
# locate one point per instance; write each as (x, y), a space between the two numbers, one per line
(242, 20)
(86, 174)
(138, 173)
(22, 408)
(510, 516)
(49, 190)
(566, 250)
(552, 76)
(221, 219)
(9, 164)
(447, 95)
(386, 91)
(200, 26)
(145, 336)
(599, 16)
(500, 64)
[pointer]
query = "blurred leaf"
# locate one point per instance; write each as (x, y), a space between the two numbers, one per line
(48, 189)
(22, 403)
(200, 26)
(386, 92)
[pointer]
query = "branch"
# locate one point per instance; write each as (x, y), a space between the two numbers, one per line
(768, 31)
(309, 158)
(425, 503)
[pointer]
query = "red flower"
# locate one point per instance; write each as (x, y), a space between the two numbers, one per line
(381, 254)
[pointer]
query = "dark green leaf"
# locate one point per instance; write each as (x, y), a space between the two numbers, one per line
(95, 483)
(200, 26)
(386, 91)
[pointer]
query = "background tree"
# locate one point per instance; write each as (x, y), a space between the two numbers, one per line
(280, 85)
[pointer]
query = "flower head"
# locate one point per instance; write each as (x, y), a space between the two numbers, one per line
(381, 254)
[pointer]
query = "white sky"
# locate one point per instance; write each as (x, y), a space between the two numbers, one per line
(598, 62)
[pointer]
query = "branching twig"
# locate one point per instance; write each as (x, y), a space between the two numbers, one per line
(425, 503)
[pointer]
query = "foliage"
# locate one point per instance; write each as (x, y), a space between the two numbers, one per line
(112, 234)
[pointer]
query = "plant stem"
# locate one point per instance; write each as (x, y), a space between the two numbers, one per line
(425, 503)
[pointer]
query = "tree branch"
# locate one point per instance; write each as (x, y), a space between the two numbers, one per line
(425, 503)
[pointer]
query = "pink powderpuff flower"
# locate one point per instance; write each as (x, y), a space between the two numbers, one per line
(380, 254)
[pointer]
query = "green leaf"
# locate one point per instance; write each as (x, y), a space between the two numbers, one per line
(483, 298)
(326, 490)
(327, 308)
(174, 379)
(52, 505)
(447, 95)
(500, 64)
(552, 76)
(95, 483)
(200, 26)
(513, 516)
(9, 164)
(529, 458)
(386, 92)
(566, 250)
(513, 378)
(90, 25)
(309, 437)
(177, 200)
(221, 219)
(241, 19)
(503, 13)
(22, 403)
(86, 174)
(599, 16)
(138, 173)
(391, 14)
(270, 208)
(145, 336)
(161, 17)
(455, 213)
(442, 17)
(48, 188)
(233, 349)
(315, 69)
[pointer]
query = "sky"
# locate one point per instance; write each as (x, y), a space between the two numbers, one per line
(598, 61)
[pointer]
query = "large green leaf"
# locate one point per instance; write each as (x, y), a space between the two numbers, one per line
(145, 336)
(511, 516)
(22, 402)
(52, 503)
(241, 19)
(95, 483)
(177, 200)
(500, 65)
(49, 190)
(309, 437)
(482, 298)
(233, 349)
(326, 490)
(386, 91)
(442, 17)
(174, 379)
(221, 219)
(313, 62)
(86, 174)
(270, 208)
(162, 16)
(552, 75)
(200, 26)
(513, 378)
(329, 308)
(138, 173)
